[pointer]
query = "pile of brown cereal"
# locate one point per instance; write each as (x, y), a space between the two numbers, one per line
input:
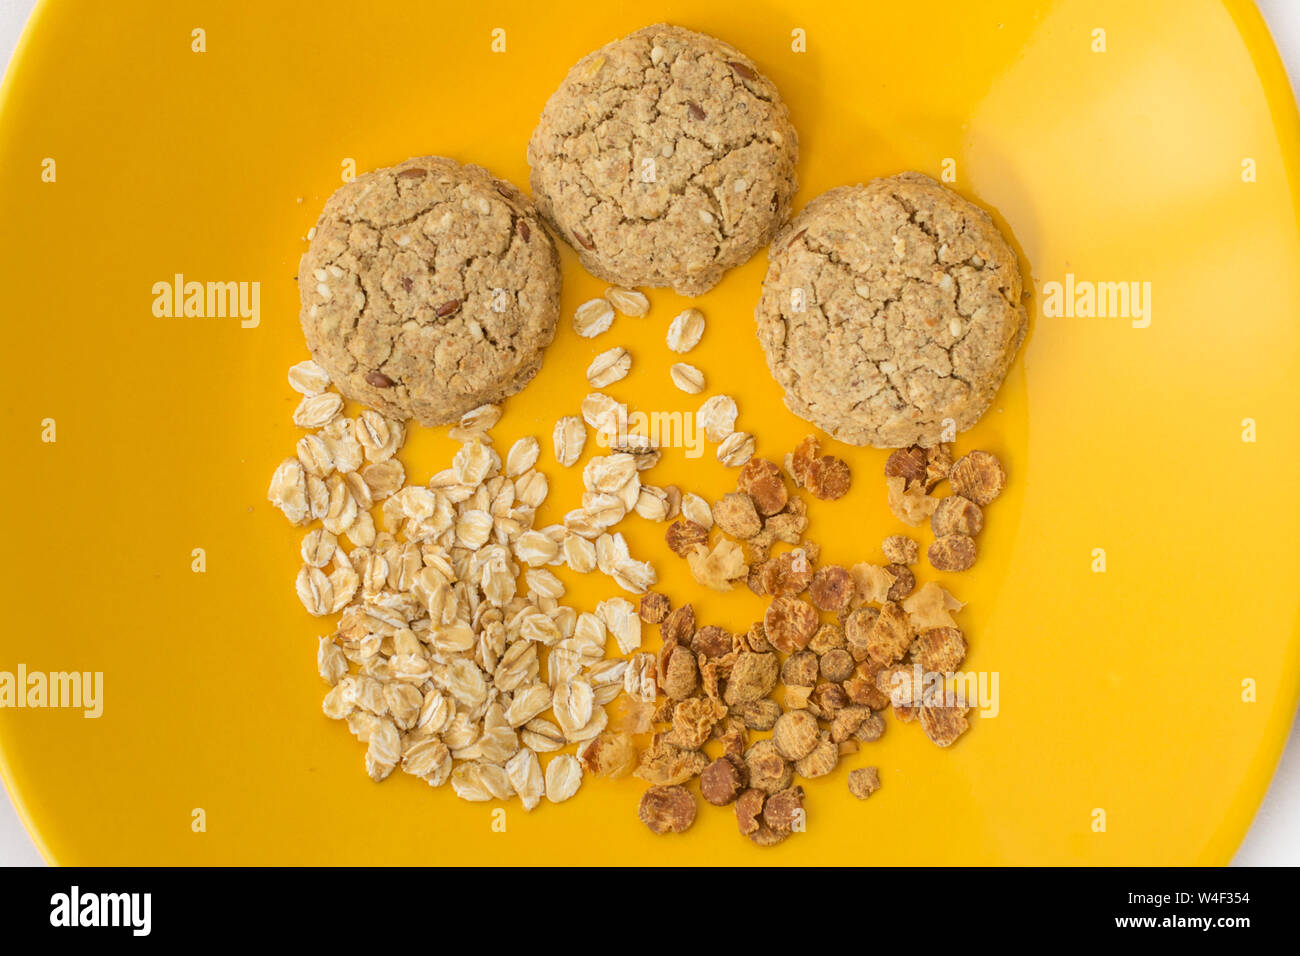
(838, 645)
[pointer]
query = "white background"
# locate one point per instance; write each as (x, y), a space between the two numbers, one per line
(1273, 840)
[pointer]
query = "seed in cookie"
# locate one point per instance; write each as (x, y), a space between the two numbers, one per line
(952, 552)
(893, 264)
(704, 92)
(978, 476)
(421, 335)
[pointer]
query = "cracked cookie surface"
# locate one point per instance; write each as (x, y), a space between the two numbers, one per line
(889, 308)
(698, 120)
(429, 288)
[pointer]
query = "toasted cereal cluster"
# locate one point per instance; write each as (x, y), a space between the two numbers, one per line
(842, 645)
(977, 479)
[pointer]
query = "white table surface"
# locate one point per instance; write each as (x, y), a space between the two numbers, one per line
(1274, 838)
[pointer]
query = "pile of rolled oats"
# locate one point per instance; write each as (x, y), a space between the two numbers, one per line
(442, 663)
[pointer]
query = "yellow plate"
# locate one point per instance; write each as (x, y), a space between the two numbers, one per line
(1169, 159)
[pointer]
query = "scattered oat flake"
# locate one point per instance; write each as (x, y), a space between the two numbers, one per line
(717, 416)
(688, 378)
(288, 491)
(569, 438)
(522, 456)
(696, 509)
(563, 777)
(308, 378)
(686, 330)
(628, 302)
(736, 449)
(609, 367)
(317, 411)
(593, 317)
(601, 412)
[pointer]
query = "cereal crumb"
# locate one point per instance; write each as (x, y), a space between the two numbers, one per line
(669, 809)
(832, 588)
(864, 781)
(828, 478)
(654, 607)
(608, 755)
(953, 552)
(956, 515)
(761, 480)
(900, 549)
(978, 476)
(735, 514)
(720, 567)
(910, 505)
(684, 536)
(723, 780)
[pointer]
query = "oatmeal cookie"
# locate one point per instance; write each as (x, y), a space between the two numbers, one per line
(664, 158)
(430, 288)
(888, 308)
